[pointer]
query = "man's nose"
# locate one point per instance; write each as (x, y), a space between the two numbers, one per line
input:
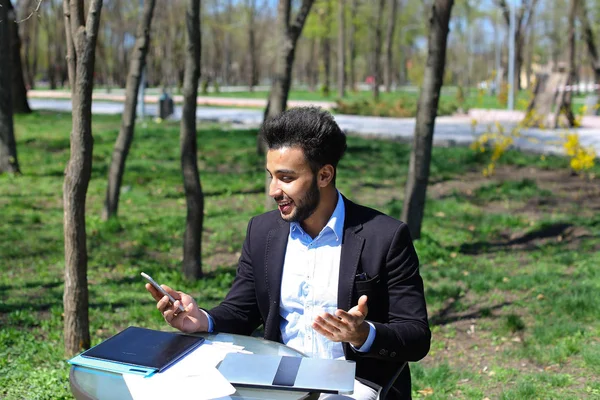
(274, 189)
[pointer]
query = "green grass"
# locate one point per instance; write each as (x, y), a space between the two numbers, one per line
(547, 295)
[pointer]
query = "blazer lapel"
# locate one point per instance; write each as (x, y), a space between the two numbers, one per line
(274, 256)
(352, 245)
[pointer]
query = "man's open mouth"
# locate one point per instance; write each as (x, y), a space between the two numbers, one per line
(285, 206)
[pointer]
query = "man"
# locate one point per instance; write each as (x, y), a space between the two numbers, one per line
(324, 275)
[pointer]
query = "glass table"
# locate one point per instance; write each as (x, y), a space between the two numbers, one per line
(91, 384)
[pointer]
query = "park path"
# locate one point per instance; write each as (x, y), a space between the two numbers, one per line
(449, 130)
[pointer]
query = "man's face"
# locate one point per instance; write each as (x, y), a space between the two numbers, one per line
(293, 184)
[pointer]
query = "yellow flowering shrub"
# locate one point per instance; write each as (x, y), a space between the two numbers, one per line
(582, 158)
(497, 141)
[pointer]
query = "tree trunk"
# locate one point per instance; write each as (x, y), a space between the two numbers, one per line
(311, 70)
(420, 158)
(377, 51)
(25, 8)
(588, 35)
(227, 45)
(51, 52)
(287, 36)
(34, 56)
(123, 143)
(571, 60)
(81, 44)
(192, 244)
(252, 57)
(389, 43)
(519, 44)
(522, 23)
(326, 48)
(352, 44)
(326, 52)
(8, 147)
(341, 49)
(529, 60)
(19, 91)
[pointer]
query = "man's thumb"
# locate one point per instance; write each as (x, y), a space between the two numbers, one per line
(362, 305)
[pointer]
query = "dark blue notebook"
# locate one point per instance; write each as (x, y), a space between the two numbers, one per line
(144, 348)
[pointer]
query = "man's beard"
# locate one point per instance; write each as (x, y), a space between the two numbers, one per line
(306, 206)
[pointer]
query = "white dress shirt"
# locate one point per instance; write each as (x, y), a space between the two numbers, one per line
(309, 286)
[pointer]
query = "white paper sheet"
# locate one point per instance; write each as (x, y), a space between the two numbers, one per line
(206, 383)
(193, 377)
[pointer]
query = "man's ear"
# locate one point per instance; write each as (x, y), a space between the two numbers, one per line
(325, 175)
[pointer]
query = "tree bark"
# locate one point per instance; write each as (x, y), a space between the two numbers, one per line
(227, 45)
(19, 91)
(420, 158)
(523, 20)
(312, 70)
(377, 51)
(287, 36)
(341, 49)
(571, 68)
(530, 50)
(25, 8)
(34, 50)
(192, 244)
(588, 35)
(352, 44)
(123, 143)
(326, 47)
(81, 43)
(389, 43)
(252, 57)
(8, 147)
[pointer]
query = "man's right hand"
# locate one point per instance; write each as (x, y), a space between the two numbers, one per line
(190, 321)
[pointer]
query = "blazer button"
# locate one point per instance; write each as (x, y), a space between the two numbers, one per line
(393, 354)
(383, 352)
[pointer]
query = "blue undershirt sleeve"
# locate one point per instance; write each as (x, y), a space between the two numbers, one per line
(369, 342)
(211, 323)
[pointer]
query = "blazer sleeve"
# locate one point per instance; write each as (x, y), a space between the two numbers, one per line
(239, 312)
(406, 335)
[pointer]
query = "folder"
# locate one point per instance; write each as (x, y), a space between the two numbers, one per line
(289, 373)
(139, 351)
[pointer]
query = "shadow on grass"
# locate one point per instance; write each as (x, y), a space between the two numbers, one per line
(528, 241)
(42, 307)
(448, 315)
(228, 192)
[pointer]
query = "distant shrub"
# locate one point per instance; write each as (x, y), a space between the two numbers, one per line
(401, 108)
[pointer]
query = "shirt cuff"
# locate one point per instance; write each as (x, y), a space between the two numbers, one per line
(211, 323)
(369, 342)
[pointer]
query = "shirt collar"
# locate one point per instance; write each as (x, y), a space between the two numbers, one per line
(335, 223)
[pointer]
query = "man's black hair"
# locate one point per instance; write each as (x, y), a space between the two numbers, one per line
(311, 129)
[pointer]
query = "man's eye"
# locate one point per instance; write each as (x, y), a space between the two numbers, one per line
(286, 179)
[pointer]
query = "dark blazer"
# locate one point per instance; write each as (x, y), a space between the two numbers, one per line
(373, 243)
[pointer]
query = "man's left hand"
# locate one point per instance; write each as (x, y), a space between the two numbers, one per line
(345, 326)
